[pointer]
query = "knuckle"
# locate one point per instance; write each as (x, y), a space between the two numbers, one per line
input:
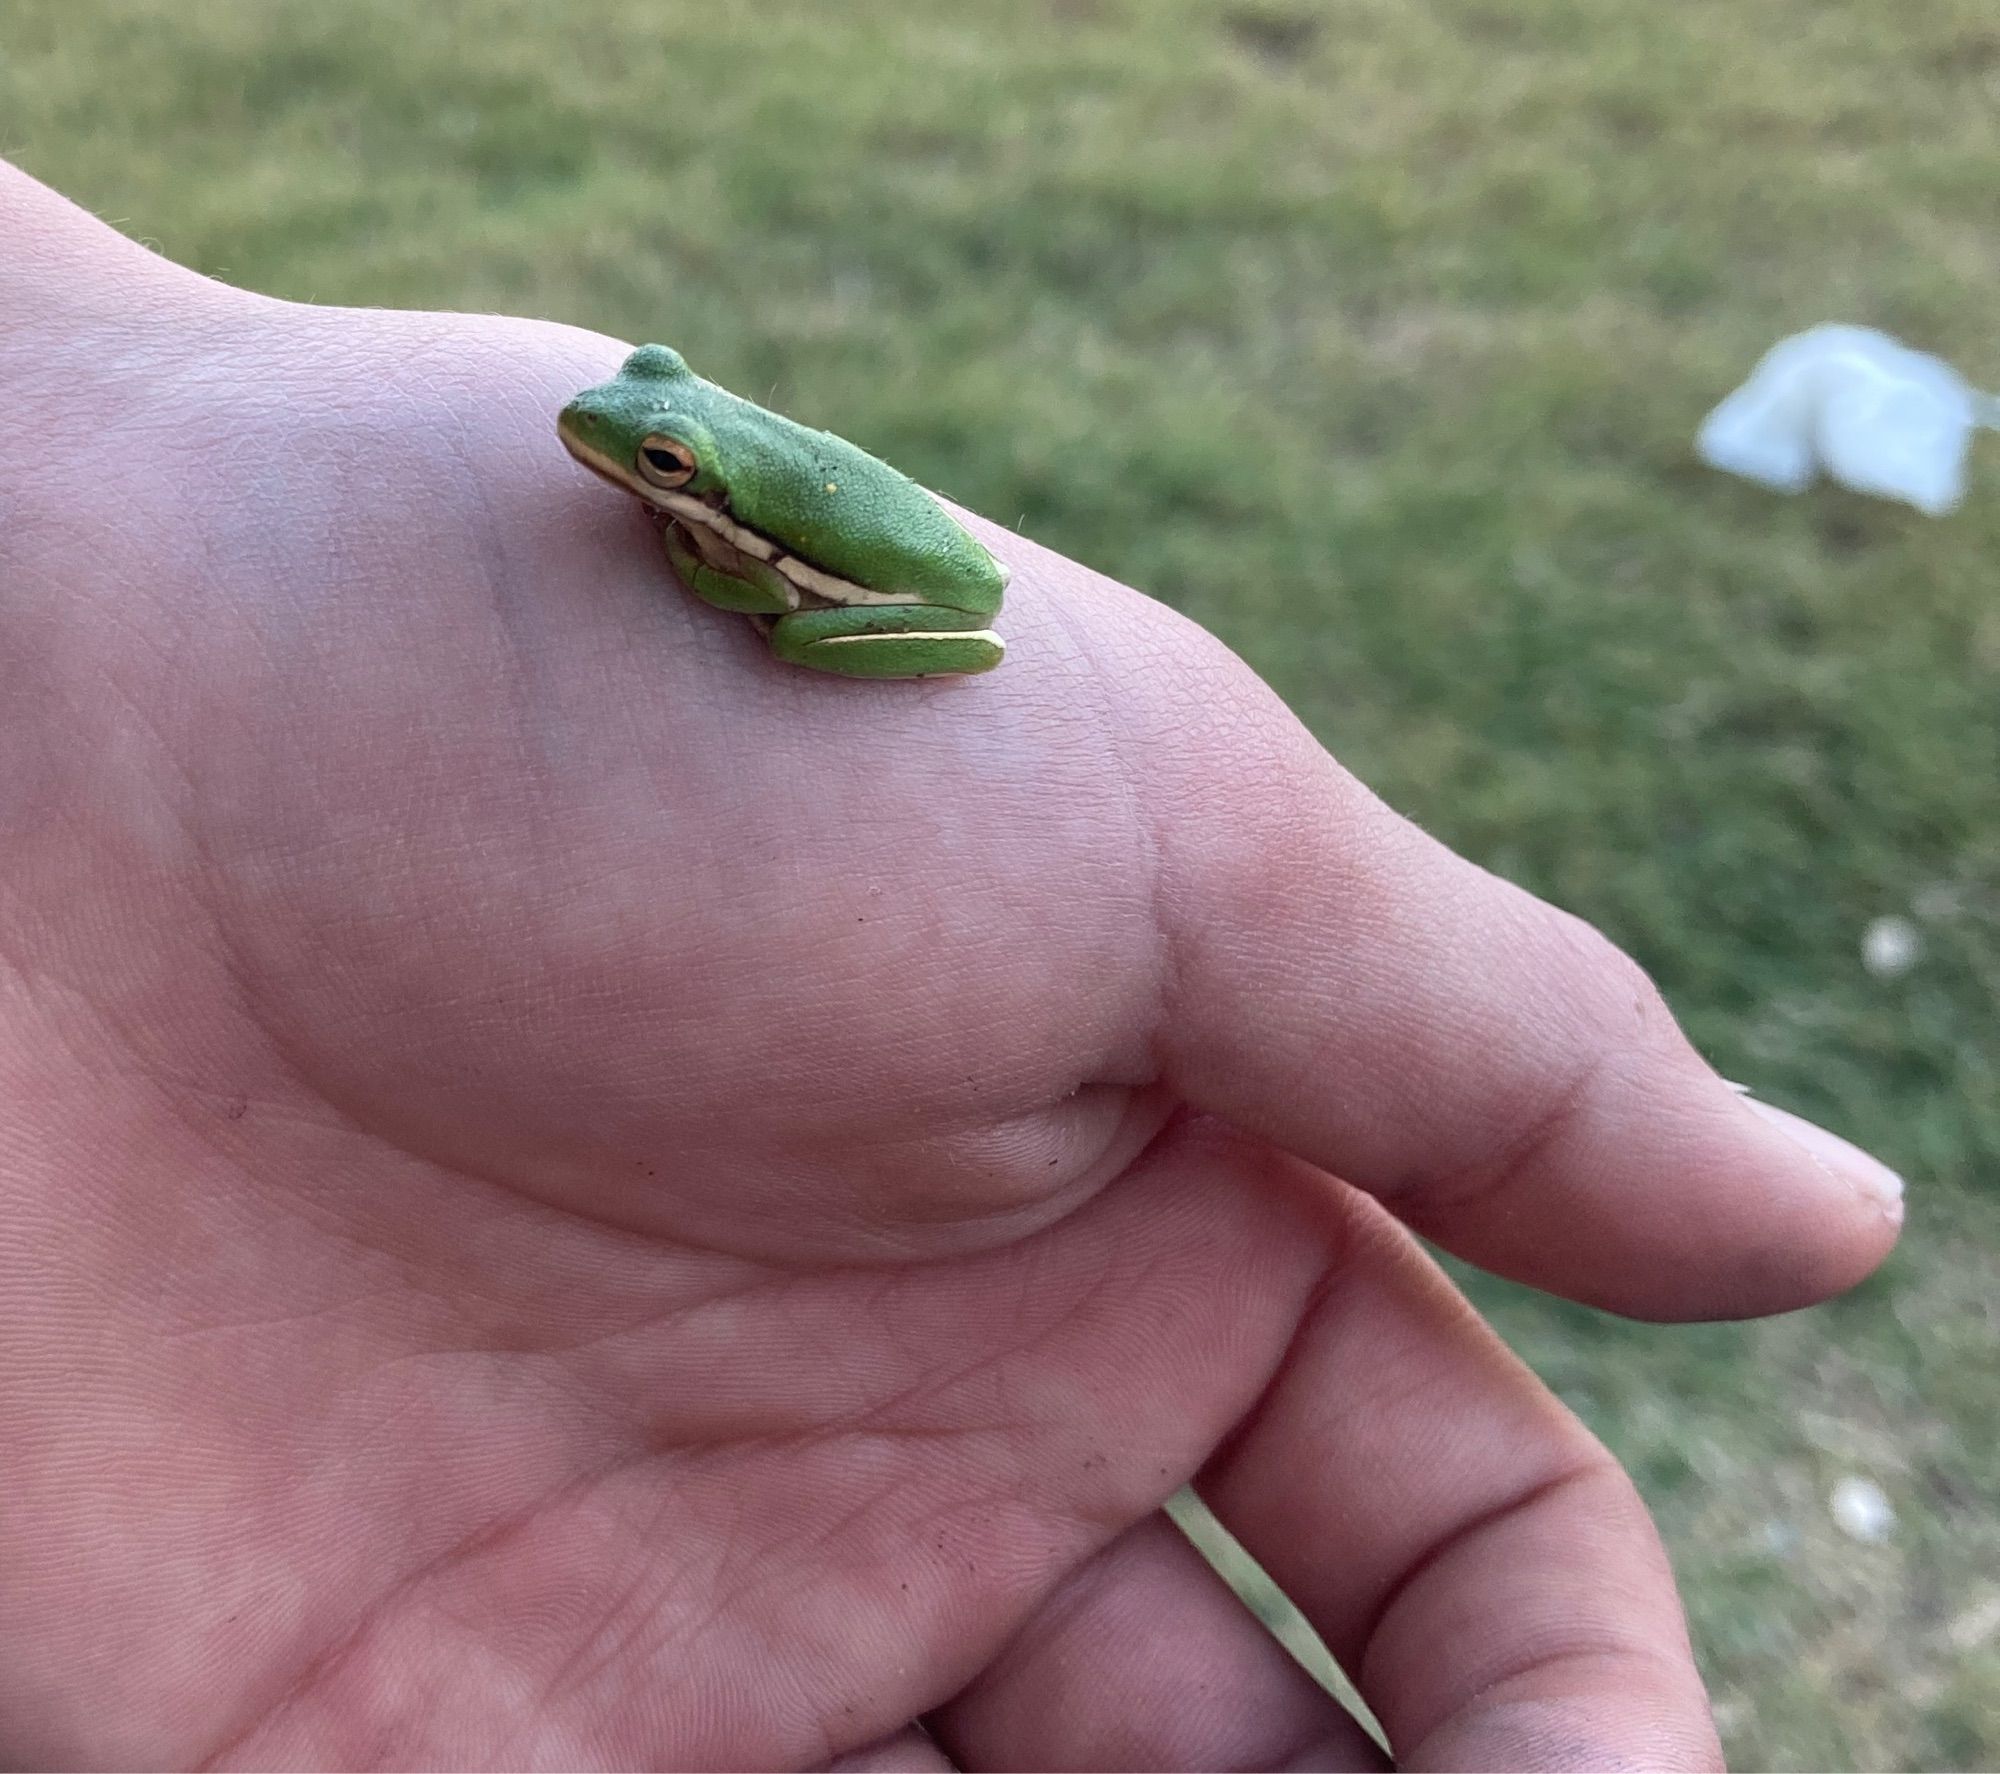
(1609, 1017)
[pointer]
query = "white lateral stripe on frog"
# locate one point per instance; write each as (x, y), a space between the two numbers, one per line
(947, 634)
(762, 548)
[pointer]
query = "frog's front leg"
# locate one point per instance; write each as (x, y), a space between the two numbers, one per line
(888, 641)
(748, 586)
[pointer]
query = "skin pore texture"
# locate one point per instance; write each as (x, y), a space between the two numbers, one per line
(573, 1196)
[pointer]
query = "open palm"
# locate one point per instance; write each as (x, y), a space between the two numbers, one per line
(575, 1196)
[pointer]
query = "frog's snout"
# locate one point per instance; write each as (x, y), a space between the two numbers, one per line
(581, 426)
(591, 436)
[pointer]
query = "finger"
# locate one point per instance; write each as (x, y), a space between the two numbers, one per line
(1469, 1553)
(1493, 1069)
(910, 1751)
(1145, 1658)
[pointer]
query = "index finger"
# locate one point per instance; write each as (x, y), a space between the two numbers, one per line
(1468, 1552)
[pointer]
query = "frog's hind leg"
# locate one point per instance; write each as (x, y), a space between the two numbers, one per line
(748, 586)
(888, 641)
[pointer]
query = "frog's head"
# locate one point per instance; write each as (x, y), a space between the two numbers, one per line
(643, 429)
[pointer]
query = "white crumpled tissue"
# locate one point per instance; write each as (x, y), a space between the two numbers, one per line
(1858, 406)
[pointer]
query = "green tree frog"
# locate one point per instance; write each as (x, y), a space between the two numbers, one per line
(848, 566)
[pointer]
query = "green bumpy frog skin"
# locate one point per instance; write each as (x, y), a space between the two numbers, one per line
(849, 566)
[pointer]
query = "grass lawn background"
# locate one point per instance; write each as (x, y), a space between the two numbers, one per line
(1372, 334)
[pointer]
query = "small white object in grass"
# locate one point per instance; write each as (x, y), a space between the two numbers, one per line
(1854, 404)
(1730, 1716)
(1979, 1625)
(1890, 947)
(1861, 1512)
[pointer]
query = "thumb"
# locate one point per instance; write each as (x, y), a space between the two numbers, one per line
(1504, 1079)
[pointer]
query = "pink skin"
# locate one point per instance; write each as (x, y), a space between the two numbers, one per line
(573, 1196)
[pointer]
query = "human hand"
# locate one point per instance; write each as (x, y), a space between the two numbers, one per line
(576, 1196)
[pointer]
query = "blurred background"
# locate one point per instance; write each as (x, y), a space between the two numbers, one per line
(1374, 335)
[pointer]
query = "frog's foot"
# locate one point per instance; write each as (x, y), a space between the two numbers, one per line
(888, 641)
(736, 582)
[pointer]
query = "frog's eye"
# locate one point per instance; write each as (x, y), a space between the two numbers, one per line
(666, 461)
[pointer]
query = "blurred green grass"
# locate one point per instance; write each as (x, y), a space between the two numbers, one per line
(1373, 335)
